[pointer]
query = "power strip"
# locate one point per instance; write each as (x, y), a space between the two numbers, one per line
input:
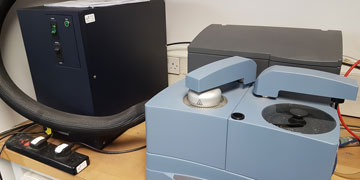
(72, 162)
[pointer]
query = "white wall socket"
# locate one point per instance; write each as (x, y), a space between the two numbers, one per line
(175, 54)
(173, 65)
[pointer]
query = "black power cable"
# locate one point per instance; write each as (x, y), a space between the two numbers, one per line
(348, 64)
(111, 152)
(16, 128)
(178, 43)
(353, 126)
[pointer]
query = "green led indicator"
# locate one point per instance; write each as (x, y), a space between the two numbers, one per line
(53, 29)
(66, 23)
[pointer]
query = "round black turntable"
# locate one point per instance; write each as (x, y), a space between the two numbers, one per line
(299, 118)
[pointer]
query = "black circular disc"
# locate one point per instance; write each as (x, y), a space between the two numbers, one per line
(298, 113)
(316, 121)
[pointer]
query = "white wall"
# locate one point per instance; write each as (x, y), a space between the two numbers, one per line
(186, 18)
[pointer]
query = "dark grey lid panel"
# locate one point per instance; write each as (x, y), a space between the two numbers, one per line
(197, 60)
(301, 46)
(335, 70)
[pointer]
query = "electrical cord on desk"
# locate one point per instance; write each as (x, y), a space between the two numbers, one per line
(15, 133)
(23, 127)
(350, 57)
(111, 152)
(16, 128)
(352, 129)
(348, 143)
(177, 43)
(353, 126)
(348, 64)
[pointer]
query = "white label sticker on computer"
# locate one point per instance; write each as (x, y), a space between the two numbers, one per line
(81, 166)
(90, 18)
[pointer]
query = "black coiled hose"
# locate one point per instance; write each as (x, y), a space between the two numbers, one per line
(58, 120)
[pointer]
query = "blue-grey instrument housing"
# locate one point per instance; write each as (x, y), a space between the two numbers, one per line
(183, 141)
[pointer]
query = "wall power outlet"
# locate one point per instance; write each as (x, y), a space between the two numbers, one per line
(174, 65)
(177, 63)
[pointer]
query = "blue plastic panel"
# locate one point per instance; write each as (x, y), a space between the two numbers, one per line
(209, 144)
(221, 72)
(163, 168)
(261, 150)
(177, 130)
(304, 81)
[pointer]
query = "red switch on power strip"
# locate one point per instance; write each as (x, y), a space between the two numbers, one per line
(25, 142)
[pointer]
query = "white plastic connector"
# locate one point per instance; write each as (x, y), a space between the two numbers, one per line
(59, 149)
(37, 140)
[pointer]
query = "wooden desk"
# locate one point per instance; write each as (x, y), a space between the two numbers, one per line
(349, 157)
(132, 165)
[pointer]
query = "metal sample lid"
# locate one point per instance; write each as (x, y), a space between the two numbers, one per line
(289, 45)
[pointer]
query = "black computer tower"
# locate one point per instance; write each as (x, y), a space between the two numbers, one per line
(96, 61)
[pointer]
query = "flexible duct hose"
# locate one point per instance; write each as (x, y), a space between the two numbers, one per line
(66, 122)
